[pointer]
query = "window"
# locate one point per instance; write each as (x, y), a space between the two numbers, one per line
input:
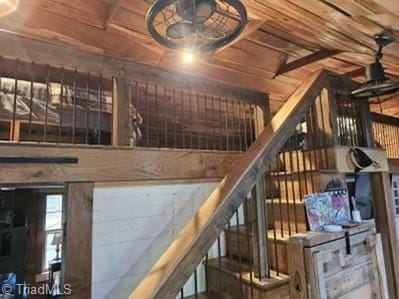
(53, 227)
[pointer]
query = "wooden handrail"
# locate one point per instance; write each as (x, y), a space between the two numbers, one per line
(181, 258)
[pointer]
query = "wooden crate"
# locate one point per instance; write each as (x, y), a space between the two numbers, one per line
(337, 265)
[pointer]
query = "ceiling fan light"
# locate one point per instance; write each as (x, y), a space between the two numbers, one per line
(200, 25)
(375, 89)
(377, 84)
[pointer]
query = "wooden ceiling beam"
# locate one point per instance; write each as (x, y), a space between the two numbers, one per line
(312, 58)
(116, 4)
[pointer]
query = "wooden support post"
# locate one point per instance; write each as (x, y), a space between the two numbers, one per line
(257, 220)
(77, 245)
(120, 112)
(326, 117)
(386, 226)
(366, 126)
(296, 269)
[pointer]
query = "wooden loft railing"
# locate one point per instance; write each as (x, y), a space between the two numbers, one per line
(180, 260)
(386, 133)
(48, 104)
(94, 99)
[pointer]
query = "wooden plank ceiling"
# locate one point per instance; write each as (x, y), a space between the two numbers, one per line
(287, 37)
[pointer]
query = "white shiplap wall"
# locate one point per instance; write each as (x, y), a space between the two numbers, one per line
(132, 225)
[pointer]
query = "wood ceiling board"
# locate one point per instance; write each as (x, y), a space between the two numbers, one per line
(91, 12)
(295, 81)
(388, 20)
(363, 60)
(132, 21)
(253, 54)
(278, 44)
(324, 33)
(252, 26)
(336, 17)
(337, 64)
(351, 7)
(144, 40)
(139, 7)
(220, 73)
(340, 23)
(113, 9)
(372, 5)
(289, 36)
(48, 26)
(390, 5)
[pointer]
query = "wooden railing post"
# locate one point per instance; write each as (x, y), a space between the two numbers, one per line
(258, 229)
(386, 226)
(366, 126)
(326, 117)
(120, 112)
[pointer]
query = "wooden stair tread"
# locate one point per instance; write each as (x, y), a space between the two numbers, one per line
(284, 201)
(199, 296)
(242, 229)
(294, 173)
(234, 268)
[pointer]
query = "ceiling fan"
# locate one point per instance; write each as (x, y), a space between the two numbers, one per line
(377, 83)
(196, 25)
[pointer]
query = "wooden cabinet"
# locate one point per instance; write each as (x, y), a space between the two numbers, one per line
(346, 265)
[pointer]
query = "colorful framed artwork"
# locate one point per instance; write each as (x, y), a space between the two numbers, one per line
(327, 208)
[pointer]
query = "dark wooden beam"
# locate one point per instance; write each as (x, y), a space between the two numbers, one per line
(113, 164)
(317, 56)
(116, 4)
(27, 49)
(78, 239)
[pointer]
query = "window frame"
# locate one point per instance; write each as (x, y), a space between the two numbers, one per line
(44, 264)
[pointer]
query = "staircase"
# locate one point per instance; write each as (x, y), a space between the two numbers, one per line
(236, 244)
(286, 215)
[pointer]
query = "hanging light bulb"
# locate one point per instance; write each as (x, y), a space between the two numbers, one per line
(188, 57)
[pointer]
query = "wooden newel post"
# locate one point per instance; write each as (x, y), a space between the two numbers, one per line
(120, 112)
(258, 225)
(386, 226)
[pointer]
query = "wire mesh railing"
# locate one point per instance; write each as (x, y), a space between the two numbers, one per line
(232, 266)
(48, 104)
(173, 118)
(42, 103)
